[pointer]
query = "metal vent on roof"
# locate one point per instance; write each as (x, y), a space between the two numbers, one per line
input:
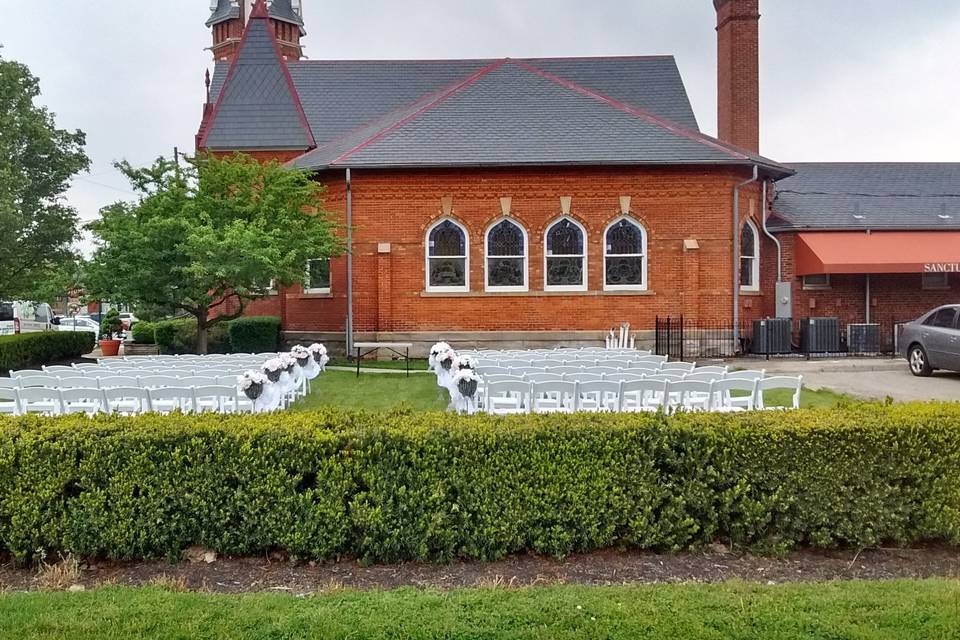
(944, 216)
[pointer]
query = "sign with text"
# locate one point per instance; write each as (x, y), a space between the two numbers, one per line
(942, 267)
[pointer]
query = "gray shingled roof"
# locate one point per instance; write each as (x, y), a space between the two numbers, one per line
(888, 196)
(283, 10)
(511, 113)
(340, 96)
(259, 108)
(225, 10)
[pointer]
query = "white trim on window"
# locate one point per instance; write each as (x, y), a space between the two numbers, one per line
(583, 257)
(487, 256)
(606, 254)
(308, 285)
(753, 256)
(815, 286)
(465, 258)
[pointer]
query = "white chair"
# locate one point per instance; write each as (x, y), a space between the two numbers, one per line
(9, 402)
(553, 397)
(604, 371)
(127, 401)
(750, 375)
(80, 400)
(9, 383)
(485, 370)
(624, 376)
(703, 376)
(117, 381)
(666, 377)
(196, 381)
(543, 377)
(227, 381)
(85, 366)
(616, 364)
(716, 370)
(164, 400)
(677, 367)
(650, 360)
(215, 398)
(59, 370)
(507, 397)
(39, 400)
(38, 381)
(689, 395)
(158, 382)
(583, 376)
(598, 396)
(734, 394)
(781, 382)
(642, 395)
(78, 383)
(24, 372)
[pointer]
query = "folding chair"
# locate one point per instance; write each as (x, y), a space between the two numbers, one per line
(689, 395)
(642, 395)
(215, 398)
(734, 394)
(59, 370)
(166, 400)
(128, 401)
(782, 382)
(117, 381)
(553, 397)
(38, 381)
(507, 397)
(80, 400)
(158, 382)
(543, 377)
(598, 396)
(583, 376)
(78, 383)
(9, 401)
(39, 400)
(677, 367)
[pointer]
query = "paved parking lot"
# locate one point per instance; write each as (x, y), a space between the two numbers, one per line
(865, 378)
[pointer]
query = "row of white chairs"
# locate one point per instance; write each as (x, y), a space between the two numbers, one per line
(112, 381)
(510, 397)
(563, 351)
(123, 400)
(648, 361)
(669, 368)
(189, 357)
(598, 374)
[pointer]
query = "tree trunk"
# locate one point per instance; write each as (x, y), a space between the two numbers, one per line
(202, 334)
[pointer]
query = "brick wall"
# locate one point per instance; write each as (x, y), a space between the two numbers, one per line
(397, 208)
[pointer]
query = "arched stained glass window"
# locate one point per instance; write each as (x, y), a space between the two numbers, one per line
(625, 256)
(566, 257)
(448, 261)
(506, 257)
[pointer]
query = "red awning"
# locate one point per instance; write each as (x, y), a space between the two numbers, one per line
(877, 252)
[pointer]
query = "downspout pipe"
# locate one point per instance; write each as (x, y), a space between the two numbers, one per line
(776, 240)
(736, 254)
(349, 327)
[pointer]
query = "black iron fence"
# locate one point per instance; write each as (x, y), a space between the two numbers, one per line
(684, 339)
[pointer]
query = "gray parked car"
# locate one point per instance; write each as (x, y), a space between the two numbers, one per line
(932, 341)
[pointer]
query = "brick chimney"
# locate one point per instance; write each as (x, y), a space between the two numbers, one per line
(738, 72)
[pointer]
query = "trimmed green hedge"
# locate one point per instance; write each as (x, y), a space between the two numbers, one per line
(32, 349)
(143, 332)
(407, 486)
(255, 334)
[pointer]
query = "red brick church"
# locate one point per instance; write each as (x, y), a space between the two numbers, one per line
(545, 200)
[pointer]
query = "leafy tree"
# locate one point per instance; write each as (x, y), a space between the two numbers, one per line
(37, 229)
(208, 238)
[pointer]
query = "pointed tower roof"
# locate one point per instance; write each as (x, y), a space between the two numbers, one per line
(283, 10)
(225, 10)
(258, 107)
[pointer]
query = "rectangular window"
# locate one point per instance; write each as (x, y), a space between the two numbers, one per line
(318, 276)
(935, 281)
(818, 281)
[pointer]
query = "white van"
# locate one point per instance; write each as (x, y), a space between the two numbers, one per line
(24, 317)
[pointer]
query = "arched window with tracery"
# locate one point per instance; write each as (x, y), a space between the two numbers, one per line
(448, 257)
(565, 258)
(506, 247)
(625, 256)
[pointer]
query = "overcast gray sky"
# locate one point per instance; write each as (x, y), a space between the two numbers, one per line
(840, 79)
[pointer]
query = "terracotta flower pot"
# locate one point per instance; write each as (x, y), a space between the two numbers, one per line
(109, 348)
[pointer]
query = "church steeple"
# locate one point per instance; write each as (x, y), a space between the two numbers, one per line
(228, 18)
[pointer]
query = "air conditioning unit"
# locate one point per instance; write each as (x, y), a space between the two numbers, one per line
(863, 338)
(772, 336)
(820, 335)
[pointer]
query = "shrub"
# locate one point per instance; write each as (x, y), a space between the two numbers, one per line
(33, 349)
(404, 486)
(180, 336)
(143, 332)
(255, 334)
(111, 326)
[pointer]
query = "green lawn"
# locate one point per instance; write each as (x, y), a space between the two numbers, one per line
(416, 364)
(385, 391)
(901, 610)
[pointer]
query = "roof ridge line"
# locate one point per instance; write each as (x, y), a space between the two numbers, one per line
(635, 111)
(286, 75)
(439, 99)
